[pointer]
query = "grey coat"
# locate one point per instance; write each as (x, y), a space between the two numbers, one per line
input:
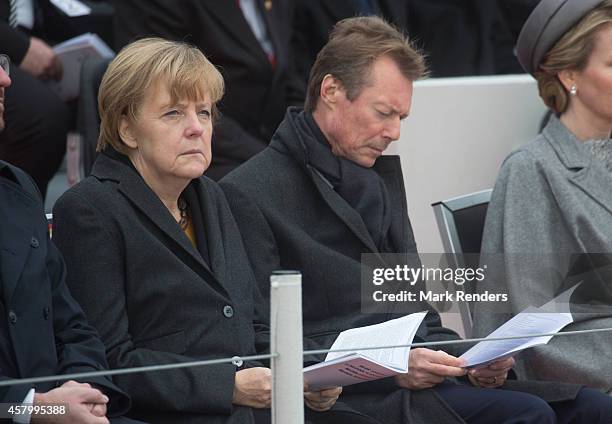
(552, 203)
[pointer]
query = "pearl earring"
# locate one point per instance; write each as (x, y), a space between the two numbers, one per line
(573, 90)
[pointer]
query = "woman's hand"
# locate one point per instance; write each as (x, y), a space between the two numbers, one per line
(493, 375)
(322, 400)
(428, 368)
(253, 387)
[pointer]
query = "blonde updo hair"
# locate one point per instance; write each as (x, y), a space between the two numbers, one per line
(143, 64)
(572, 51)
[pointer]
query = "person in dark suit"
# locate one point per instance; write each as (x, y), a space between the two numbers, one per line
(321, 195)
(313, 19)
(249, 41)
(153, 252)
(475, 41)
(38, 121)
(36, 309)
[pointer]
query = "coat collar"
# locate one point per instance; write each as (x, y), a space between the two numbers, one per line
(589, 175)
(17, 230)
(388, 167)
(113, 166)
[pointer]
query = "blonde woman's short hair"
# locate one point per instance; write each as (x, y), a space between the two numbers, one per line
(143, 64)
(571, 52)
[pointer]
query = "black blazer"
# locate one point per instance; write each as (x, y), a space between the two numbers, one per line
(314, 19)
(465, 37)
(153, 297)
(47, 329)
(256, 95)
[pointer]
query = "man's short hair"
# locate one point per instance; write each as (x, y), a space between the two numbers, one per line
(354, 45)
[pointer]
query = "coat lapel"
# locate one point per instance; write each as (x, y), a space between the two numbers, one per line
(389, 169)
(15, 238)
(592, 182)
(230, 13)
(590, 177)
(343, 210)
(133, 187)
(205, 215)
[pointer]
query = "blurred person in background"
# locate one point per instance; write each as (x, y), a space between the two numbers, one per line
(38, 121)
(458, 38)
(249, 40)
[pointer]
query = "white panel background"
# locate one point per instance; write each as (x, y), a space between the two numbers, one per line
(455, 139)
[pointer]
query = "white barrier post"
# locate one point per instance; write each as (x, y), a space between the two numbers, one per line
(286, 341)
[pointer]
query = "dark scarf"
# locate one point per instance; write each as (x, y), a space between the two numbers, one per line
(360, 187)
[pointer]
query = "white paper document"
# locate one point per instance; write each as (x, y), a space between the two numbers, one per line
(357, 365)
(72, 8)
(528, 323)
(72, 53)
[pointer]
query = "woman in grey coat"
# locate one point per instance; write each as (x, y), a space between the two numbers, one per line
(551, 210)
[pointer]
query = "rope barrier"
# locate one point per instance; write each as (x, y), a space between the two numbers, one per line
(239, 359)
(150, 368)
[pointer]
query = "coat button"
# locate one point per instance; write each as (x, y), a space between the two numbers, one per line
(236, 361)
(12, 316)
(34, 242)
(46, 312)
(228, 311)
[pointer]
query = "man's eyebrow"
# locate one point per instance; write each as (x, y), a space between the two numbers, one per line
(393, 110)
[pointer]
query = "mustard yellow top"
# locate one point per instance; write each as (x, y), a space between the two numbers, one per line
(190, 232)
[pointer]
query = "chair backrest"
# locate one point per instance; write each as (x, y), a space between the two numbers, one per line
(88, 120)
(461, 223)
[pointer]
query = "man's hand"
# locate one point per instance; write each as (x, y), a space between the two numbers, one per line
(428, 368)
(493, 375)
(40, 61)
(253, 387)
(97, 409)
(322, 400)
(78, 398)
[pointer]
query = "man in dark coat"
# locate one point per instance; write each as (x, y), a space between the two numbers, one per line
(249, 41)
(36, 309)
(320, 195)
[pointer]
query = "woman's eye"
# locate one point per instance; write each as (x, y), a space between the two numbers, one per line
(204, 113)
(172, 113)
(383, 114)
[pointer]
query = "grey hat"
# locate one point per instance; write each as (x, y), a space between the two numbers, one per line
(546, 25)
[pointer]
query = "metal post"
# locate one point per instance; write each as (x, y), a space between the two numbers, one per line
(286, 340)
